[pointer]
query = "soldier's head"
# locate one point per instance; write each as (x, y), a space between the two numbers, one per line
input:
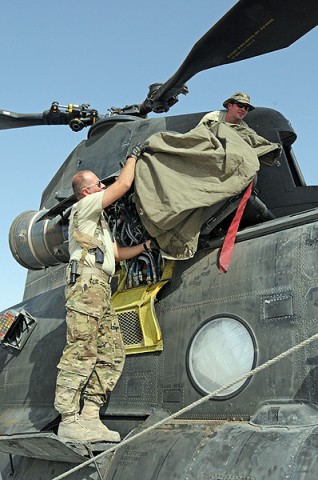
(85, 183)
(239, 97)
(238, 106)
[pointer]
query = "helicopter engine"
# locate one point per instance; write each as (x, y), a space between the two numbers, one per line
(36, 243)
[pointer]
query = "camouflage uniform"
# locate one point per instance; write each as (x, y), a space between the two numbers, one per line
(94, 355)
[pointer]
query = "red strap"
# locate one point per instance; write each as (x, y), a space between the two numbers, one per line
(228, 244)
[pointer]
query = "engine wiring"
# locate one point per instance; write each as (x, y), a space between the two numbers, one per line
(127, 230)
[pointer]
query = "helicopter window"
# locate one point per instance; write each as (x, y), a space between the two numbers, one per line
(221, 350)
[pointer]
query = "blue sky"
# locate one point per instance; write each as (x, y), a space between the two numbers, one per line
(106, 54)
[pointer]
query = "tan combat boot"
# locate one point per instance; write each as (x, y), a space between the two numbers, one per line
(71, 429)
(90, 419)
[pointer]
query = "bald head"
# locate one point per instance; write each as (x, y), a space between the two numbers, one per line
(81, 180)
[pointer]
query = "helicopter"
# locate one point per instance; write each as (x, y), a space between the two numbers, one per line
(188, 328)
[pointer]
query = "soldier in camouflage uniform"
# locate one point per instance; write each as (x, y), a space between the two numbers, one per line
(237, 107)
(94, 355)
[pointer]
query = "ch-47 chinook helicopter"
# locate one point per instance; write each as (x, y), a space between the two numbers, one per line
(188, 329)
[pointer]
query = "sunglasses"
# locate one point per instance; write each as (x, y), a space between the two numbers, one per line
(96, 184)
(243, 105)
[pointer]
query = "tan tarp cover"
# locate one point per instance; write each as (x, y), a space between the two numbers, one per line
(180, 175)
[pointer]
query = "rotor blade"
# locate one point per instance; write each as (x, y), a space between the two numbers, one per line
(16, 120)
(19, 120)
(76, 116)
(249, 29)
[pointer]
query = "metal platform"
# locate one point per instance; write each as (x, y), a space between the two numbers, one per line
(48, 446)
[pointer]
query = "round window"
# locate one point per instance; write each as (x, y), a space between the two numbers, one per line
(221, 351)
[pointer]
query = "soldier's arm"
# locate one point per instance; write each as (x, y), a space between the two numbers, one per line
(121, 185)
(126, 253)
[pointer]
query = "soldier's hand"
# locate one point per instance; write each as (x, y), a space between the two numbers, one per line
(137, 150)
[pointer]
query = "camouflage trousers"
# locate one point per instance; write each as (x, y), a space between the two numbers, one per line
(94, 355)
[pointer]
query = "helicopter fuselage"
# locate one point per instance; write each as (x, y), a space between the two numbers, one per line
(265, 304)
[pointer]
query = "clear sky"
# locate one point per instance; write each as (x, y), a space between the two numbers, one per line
(106, 54)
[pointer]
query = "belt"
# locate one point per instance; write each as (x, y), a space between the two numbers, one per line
(96, 271)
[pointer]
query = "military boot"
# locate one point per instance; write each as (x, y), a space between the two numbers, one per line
(71, 429)
(90, 419)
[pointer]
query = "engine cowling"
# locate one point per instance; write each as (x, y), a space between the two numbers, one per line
(36, 243)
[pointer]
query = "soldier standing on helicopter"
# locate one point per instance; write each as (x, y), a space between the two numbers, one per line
(237, 107)
(94, 355)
